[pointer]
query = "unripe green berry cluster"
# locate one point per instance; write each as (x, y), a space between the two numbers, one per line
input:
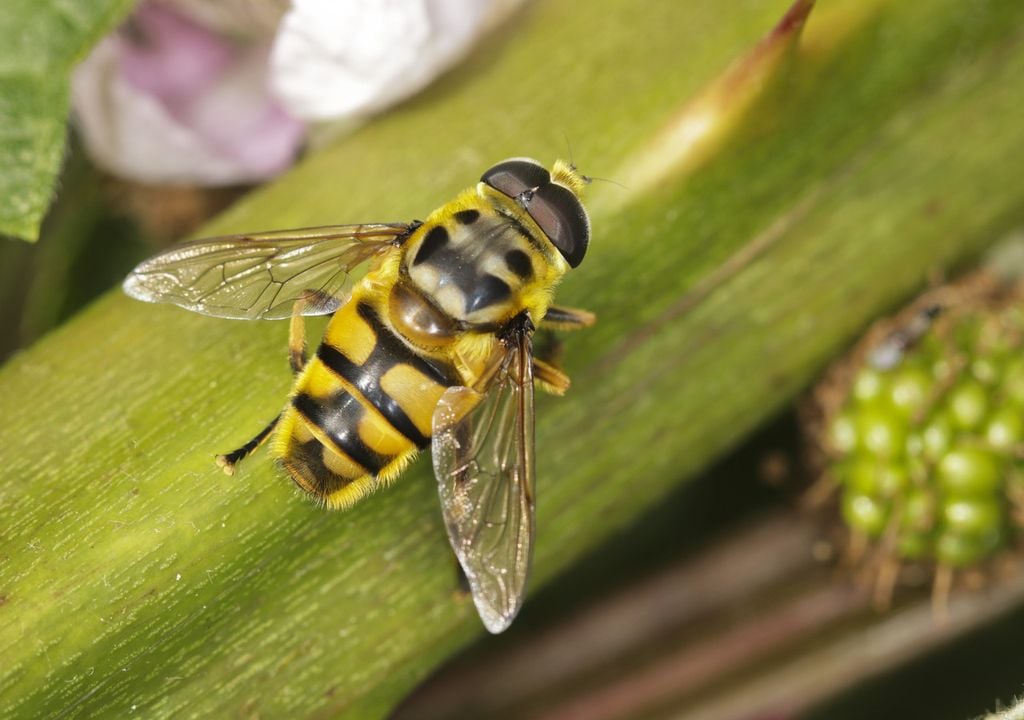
(928, 451)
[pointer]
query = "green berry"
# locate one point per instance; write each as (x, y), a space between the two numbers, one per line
(937, 436)
(868, 385)
(985, 370)
(960, 550)
(865, 513)
(867, 476)
(969, 472)
(860, 475)
(909, 390)
(973, 516)
(919, 510)
(843, 433)
(881, 432)
(1005, 428)
(893, 480)
(968, 404)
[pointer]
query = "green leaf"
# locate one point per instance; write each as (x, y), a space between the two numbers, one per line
(42, 43)
(134, 577)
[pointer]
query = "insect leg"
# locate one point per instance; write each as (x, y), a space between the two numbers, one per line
(550, 378)
(297, 326)
(297, 338)
(567, 318)
(549, 347)
(228, 461)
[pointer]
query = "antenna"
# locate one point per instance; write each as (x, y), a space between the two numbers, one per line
(590, 178)
(587, 178)
(568, 146)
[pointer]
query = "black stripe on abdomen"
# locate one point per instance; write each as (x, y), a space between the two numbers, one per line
(390, 350)
(366, 379)
(338, 417)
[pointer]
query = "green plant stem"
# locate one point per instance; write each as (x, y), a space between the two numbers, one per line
(135, 577)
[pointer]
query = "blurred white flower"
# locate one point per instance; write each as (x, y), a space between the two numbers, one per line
(210, 92)
(166, 99)
(339, 58)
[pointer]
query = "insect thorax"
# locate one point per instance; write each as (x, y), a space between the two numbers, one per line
(479, 266)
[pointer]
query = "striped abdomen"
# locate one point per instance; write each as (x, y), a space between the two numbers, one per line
(361, 409)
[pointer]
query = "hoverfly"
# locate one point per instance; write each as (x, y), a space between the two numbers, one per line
(430, 343)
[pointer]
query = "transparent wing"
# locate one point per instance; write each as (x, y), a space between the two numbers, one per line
(261, 275)
(483, 459)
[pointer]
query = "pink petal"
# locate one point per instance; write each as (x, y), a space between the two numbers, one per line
(169, 56)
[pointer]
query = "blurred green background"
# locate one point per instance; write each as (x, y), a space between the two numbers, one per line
(676, 575)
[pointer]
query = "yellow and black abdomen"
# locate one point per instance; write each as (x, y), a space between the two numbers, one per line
(361, 409)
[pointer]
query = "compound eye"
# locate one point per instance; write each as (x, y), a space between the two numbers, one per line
(559, 213)
(516, 176)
